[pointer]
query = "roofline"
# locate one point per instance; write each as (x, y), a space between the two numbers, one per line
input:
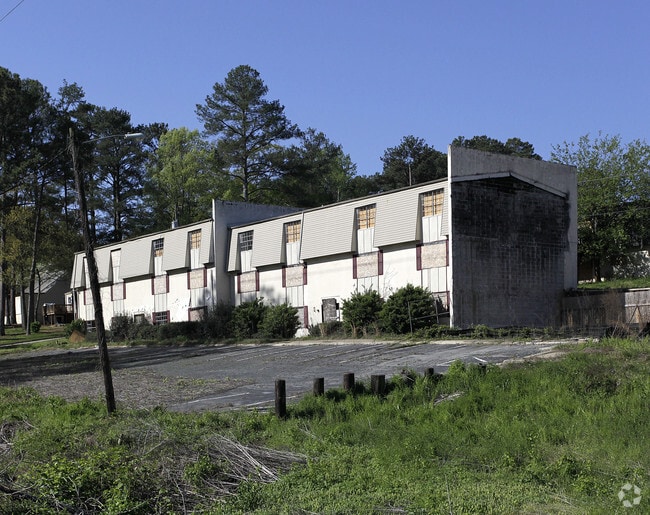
(148, 235)
(341, 203)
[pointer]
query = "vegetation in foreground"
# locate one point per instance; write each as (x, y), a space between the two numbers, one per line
(554, 437)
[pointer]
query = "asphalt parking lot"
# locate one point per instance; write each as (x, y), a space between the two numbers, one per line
(258, 366)
(243, 376)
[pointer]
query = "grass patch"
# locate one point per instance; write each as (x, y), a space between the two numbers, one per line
(546, 437)
(617, 284)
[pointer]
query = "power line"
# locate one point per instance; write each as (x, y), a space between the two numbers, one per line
(12, 10)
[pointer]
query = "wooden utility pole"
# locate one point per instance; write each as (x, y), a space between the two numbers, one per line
(91, 263)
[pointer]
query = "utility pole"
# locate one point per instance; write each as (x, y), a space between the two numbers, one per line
(91, 263)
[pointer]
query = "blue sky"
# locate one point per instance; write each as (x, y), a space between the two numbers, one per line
(366, 73)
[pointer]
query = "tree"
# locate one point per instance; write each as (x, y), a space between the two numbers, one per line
(512, 147)
(315, 172)
(27, 163)
(248, 127)
(413, 161)
(613, 197)
(116, 181)
(182, 178)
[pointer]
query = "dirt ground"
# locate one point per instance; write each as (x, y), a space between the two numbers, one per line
(77, 375)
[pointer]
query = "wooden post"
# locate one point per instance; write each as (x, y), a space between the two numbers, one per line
(319, 386)
(378, 384)
(428, 373)
(348, 381)
(280, 398)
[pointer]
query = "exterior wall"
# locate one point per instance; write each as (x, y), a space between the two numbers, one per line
(132, 293)
(499, 249)
(336, 265)
(513, 239)
(225, 215)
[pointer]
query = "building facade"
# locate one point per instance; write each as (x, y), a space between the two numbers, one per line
(495, 242)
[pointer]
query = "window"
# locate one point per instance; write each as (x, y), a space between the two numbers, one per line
(195, 240)
(158, 247)
(195, 249)
(115, 264)
(292, 231)
(246, 241)
(292, 244)
(432, 203)
(246, 251)
(160, 317)
(366, 217)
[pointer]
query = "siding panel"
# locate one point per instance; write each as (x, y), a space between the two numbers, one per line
(207, 243)
(397, 218)
(330, 231)
(176, 249)
(136, 259)
(103, 258)
(267, 243)
(233, 251)
(78, 275)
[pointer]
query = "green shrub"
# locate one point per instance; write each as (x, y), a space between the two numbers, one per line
(78, 324)
(35, 326)
(280, 321)
(120, 327)
(408, 309)
(217, 322)
(247, 317)
(361, 312)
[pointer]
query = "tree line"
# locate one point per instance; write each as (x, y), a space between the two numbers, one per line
(248, 151)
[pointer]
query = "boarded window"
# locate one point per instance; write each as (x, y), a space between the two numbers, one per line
(158, 247)
(292, 231)
(366, 217)
(195, 240)
(432, 203)
(195, 249)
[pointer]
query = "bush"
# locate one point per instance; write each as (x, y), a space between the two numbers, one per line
(79, 325)
(408, 309)
(361, 312)
(35, 326)
(247, 317)
(120, 327)
(280, 321)
(217, 322)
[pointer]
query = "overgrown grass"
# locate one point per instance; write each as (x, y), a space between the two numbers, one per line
(612, 284)
(546, 437)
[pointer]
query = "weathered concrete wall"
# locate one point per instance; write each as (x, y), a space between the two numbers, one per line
(513, 238)
(509, 243)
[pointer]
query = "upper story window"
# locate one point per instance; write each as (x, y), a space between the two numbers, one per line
(245, 241)
(432, 203)
(246, 251)
(366, 217)
(365, 228)
(195, 240)
(292, 231)
(115, 265)
(158, 246)
(292, 242)
(195, 249)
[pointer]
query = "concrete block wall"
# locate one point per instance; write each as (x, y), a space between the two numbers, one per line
(509, 243)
